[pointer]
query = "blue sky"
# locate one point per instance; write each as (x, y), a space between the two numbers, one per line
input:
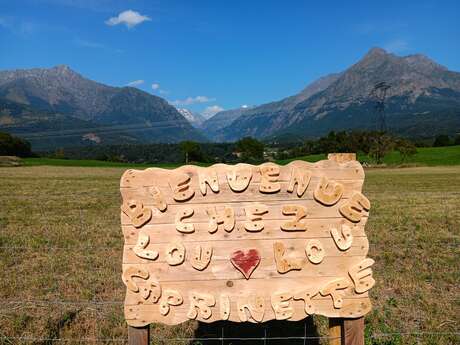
(209, 55)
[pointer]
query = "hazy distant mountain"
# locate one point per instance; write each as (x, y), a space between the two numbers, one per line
(195, 119)
(124, 112)
(424, 99)
(213, 126)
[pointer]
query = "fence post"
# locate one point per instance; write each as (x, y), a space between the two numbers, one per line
(139, 335)
(353, 331)
(346, 331)
(335, 331)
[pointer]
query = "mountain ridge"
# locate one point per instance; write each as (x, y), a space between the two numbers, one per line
(417, 84)
(60, 90)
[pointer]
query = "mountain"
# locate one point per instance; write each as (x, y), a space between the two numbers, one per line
(195, 119)
(127, 114)
(214, 125)
(49, 130)
(423, 100)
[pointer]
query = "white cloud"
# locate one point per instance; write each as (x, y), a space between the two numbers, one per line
(193, 100)
(155, 86)
(129, 18)
(396, 46)
(211, 111)
(135, 83)
(244, 106)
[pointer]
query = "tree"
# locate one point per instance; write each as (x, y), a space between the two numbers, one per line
(251, 150)
(405, 148)
(192, 151)
(457, 140)
(11, 145)
(381, 144)
(442, 140)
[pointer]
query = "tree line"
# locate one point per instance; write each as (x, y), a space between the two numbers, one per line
(374, 144)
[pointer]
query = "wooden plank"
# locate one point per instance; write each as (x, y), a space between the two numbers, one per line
(237, 287)
(160, 177)
(316, 228)
(314, 211)
(140, 314)
(252, 193)
(353, 331)
(222, 250)
(139, 335)
(223, 269)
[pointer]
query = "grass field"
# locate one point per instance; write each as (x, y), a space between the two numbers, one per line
(425, 156)
(61, 247)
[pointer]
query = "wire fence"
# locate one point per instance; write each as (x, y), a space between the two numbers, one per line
(223, 339)
(15, 304)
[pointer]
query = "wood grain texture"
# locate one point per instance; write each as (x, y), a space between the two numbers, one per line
(139, 335)
(353, 331)
(245, 243)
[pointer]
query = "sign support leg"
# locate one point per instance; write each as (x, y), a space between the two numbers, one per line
(139, 335)
(346, 331)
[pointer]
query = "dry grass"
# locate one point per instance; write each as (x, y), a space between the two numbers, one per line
(60, 240)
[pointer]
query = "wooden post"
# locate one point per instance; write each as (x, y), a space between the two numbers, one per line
(139, 335)
(353, 331)
(346, 331)
(335, 331)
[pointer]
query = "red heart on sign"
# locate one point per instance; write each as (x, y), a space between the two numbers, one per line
(247, 262)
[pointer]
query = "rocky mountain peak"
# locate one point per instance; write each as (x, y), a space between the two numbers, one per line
(376, 52)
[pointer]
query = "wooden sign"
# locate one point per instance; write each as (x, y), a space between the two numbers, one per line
(245, 243)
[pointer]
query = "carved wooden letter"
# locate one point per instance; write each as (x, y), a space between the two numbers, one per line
(255, 305)
(344, 240)
(299, 212)
(238, 178)
(227, 218)
(158, 199)
(361, 274)
(209, 179)
(281, 305)
(180, 186)
(333, 288)
(175, 253)
(315, 251)
(170, 297)
(224, 307)
(142, 243)
(283, 264)
(137, 213)
(269, 178)
(306, 295)
(254, 214)
(328, 192)
(186, 228)
(301, 178)
(131, 272)
(153, 287)
(203, 302)
(201, 257)
(353, 208)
